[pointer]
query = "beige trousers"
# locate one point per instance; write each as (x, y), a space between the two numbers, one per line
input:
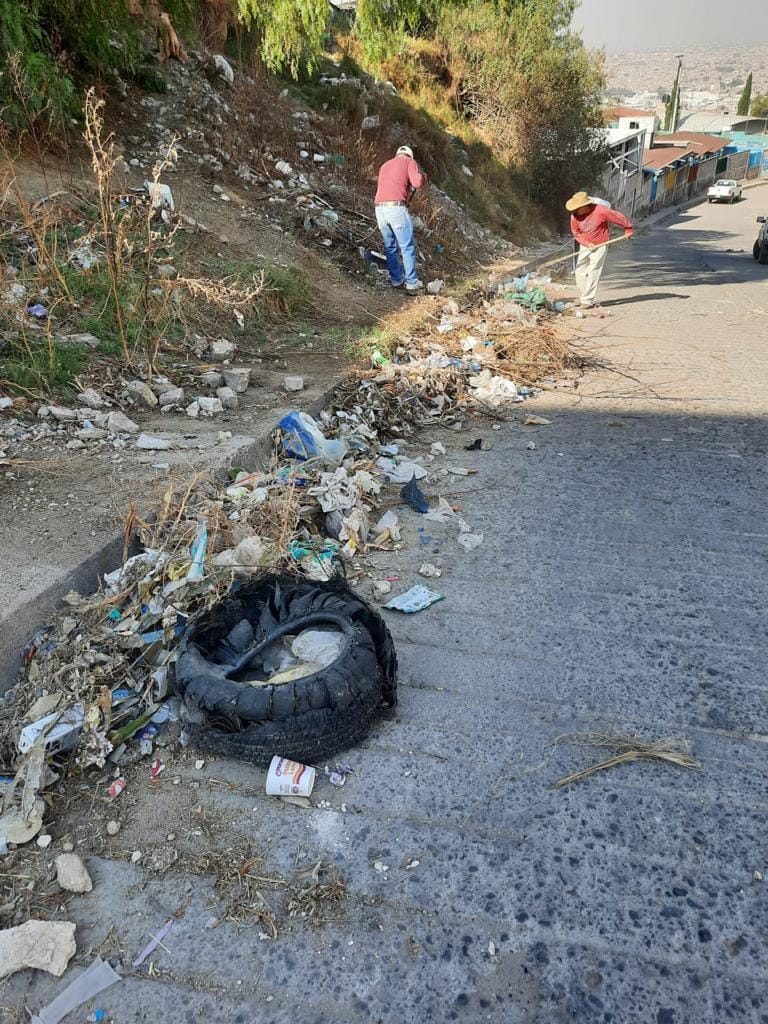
(589, 267)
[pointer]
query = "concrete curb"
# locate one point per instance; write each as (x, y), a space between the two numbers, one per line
(19, 625)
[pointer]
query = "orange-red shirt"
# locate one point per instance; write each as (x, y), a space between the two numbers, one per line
(594, 229)
(396, 179)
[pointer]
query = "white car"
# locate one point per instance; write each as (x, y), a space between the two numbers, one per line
(724, 191)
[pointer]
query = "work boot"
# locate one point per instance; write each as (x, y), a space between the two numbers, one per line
(413, 289)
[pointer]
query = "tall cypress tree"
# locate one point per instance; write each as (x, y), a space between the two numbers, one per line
(669, 110)
(746, 97)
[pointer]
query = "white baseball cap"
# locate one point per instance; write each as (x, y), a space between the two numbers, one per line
(405, 151)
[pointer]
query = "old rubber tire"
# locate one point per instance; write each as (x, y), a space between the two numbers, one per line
(756, 251)
(308, 719)
(763, 256)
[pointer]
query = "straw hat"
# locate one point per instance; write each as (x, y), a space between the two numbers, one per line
(577, 200)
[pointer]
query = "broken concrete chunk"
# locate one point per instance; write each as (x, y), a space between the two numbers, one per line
(72, 874)
(90, 398)
(91, 434)
(174, 396)
(61, 414)
(161, 384)
(228, 398)
(118, 423)
(148, 443)
(237, 378)
(142, 393)
(193, 410)
(209, 406)
(293, 383)
(211, 379)
(42, 945)
(222, 350)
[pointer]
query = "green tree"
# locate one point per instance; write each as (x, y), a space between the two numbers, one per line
(759, 106)
(292, 32)
(745, 98)
(670, 109)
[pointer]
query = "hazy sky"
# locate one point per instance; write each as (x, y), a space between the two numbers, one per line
(626, 25)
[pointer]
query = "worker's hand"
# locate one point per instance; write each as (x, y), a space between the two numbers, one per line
(629, 233)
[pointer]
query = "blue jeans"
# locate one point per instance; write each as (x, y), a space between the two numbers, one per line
(396, 229)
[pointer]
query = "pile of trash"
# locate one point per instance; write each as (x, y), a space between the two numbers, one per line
(98, 681)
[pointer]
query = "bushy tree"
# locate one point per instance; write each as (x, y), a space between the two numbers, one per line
(759, 105)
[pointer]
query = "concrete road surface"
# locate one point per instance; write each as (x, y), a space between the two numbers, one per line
(621, 588)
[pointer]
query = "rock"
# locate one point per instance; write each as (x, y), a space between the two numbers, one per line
(6, 403)
(228, 398)
(293, 383)
(223, 68)
(222, 350)
(148, 443)
(75, 444)
(87, 340)
(209, 406)
(160, 385)
(42, 945)
(142, 393)
(91, 434)
(44, 841)
(370, 122)
(237, 378)
(61, 414)
(166, 272)
(467, 171)
(113, 827)
(92, 399)
(174, 396)
(217, 190)
(193, 410)
(436, 286)
(71, 873)
(118, 423)
(211, 379)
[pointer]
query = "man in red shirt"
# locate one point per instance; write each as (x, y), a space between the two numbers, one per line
(591, 228)
(398, 180)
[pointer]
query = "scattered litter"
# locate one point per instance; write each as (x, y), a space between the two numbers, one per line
(156, 769)
(478, 445)
(381, 588)
(632, 749)
(414, 600)
(38, 311)
(381, 867)
(414, 496)
(531, 446)
(438, 448)
(113, 827)
(410, 864)
(461, 471)
(97, 977)
(60, 731)
(388, 524)
(116, 788)
(536, 421)
(430, 571)
(160, 195)
(303, 439)
(338, 776)
(492, 948)
(289, 778)
(155, 941)
(470, 541)
(41, 945)
(401, 472)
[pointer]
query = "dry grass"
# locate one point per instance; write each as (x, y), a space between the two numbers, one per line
(674, 751)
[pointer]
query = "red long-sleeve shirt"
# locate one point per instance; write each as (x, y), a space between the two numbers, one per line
(396, 179)
(594, 229)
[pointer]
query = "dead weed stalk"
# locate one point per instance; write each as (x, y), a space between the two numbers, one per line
(674, 751)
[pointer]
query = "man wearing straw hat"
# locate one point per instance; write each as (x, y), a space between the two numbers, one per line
(591, 228)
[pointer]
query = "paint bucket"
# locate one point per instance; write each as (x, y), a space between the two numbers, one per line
(289, 778)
